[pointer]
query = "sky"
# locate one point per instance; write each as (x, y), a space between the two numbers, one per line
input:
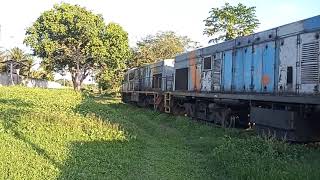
(143, 17)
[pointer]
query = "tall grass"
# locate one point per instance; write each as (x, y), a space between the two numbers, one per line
(60, 134)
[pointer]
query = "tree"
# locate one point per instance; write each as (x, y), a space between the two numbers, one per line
(118, 54)
(2, 59)
(42, 74)
(70, 38)
(230, 22)
(163, 45)
(25, 60)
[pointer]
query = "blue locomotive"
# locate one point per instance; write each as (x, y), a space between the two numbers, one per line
(269, 80)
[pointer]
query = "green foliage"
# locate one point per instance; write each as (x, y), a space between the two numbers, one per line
(25, 59)
(42, 74)
(2, 58)
(59, 134)
(18, 55)
(118, 43)
(230, 22)
(64, 82)
(69, 37)
(163, 45)
(109, 78)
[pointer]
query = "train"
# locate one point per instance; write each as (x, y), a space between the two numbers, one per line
(268, 80)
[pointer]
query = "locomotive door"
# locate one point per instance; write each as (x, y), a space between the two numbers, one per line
(257, 68)
(227, 70)
(206, 75)
(216, 72)
(247, 69)
(194, 72)
(268, 65)
(263, 67)
(238, 79)
(288, 56)
(309, 63)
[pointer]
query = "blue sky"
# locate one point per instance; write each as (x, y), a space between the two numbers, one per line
(142, 17)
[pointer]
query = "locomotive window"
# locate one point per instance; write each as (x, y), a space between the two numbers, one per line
(131, 76)
(157, 81)
(207, 63)
(289, 75)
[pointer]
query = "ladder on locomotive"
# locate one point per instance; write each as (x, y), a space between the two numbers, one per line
(167, 102)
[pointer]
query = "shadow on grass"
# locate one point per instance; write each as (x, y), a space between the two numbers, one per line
(112, 159)
(155, 147)
(99, 160)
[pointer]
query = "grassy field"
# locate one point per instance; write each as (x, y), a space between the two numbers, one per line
(60, 134)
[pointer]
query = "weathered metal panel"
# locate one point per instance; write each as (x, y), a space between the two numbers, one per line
(263, 36)
(280, 119)
(257, 68)
(247, 69)
(238, 65)
(210, 50)
(244, 41)
(268, 67)
(288, 57)
(206, 80)
(303, 99)
(206, 75)
(227, 71)
(181, 64)
(309, 63)
(311, 23)
(181, 57)
(216, 72)
(291, 28)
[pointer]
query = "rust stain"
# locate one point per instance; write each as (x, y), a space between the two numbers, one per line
(265, 80)
(195, 74)
(198, 78)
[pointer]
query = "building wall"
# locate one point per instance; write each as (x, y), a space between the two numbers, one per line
(5, 80)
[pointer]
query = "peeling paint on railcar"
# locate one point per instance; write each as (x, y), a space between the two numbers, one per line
(238, 78)
(287, 58)
(247, 68)
(268, 66)
(227, 70)
(206, 80)
(257, 68)
(194, 71)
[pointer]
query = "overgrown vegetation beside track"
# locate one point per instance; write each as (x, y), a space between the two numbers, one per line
(49, 134)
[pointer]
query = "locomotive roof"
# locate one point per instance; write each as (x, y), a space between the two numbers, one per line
(306, 25)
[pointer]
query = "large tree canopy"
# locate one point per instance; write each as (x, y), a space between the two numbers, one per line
(71, 38)
(229, 22)
(163, 45)
(118, 53)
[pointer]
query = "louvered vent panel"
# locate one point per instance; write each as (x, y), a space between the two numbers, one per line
(310, 63)
(216, 71)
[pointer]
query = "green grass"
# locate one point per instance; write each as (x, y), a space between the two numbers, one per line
(59, 134)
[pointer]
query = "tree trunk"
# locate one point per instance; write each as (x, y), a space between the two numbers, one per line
(76, 79)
